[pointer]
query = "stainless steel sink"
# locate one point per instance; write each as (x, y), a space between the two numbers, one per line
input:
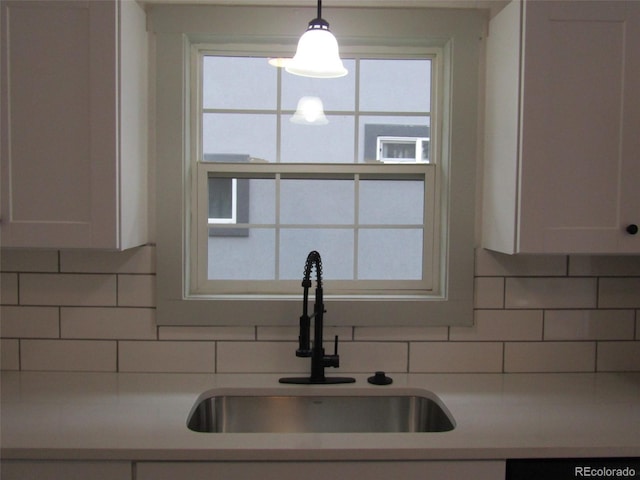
(319, 413)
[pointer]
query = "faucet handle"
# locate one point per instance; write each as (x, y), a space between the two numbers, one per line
(332, 360)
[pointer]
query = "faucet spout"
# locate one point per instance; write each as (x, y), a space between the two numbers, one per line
(304, 339)
(319, 360)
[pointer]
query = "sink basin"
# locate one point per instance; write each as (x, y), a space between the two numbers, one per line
(319, 413)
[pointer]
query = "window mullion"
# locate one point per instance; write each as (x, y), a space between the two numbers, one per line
(356, 223)
(276, 254)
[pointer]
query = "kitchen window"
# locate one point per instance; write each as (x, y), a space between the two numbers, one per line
(312, 185)
(396, 233)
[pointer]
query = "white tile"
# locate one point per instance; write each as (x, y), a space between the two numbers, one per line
(9, 288)
(260, 357)
(170, 357)
(135, 260)
(550, 357)
(68, 355)
(136, 290)
(369, 357)
(108, 323)
(589, 324)
(207, 333)
(501, 325)
(401, 333)
(9, 354)
(490, 263)
(21, 260)
(277, 333)
(618, 356)
(30, 322)
(619, 292)
(488, 292)
(550, 293)
(279, 357)
(604, 265)
(291, 333)
(455, 357)
(67, 289)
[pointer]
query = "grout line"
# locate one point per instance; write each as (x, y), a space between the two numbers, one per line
(408, 367)
(215, 356)
(18, 289)
(504, 293)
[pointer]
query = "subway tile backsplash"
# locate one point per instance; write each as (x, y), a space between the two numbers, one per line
(95, 311)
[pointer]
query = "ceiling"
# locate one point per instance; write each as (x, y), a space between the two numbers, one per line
(488, 4)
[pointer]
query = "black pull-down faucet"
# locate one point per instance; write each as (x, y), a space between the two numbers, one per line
(318, 358)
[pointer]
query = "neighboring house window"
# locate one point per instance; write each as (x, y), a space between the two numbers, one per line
(403, 149)
(228, 199)
(315, 185)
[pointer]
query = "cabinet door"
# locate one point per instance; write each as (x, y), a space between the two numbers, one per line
(580, 114)
(59, 124)
(64, 470)
(374, 470)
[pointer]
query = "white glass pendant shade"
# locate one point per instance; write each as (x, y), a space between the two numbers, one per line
(317, 54)
(309, 112)
(279, 62)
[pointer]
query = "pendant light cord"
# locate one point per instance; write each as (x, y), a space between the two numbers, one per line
(319, 9)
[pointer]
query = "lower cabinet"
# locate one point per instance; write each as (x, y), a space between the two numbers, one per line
(405, 470)
(64, 470)
(264, 470)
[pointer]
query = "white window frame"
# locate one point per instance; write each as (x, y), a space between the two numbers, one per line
(429, 285)
(201, 287)
(171, 25)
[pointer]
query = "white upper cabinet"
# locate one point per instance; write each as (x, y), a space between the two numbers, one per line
(74, 124)
(562, 146)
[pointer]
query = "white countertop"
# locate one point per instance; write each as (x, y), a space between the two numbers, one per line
(143, 417)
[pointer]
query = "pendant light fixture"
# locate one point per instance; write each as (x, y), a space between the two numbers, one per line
(317, 54)
(309, 112)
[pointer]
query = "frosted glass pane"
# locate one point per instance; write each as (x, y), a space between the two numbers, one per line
(247, 257)
(395, 85)
(331, 143)
(392, 202)
(393, 254)
(262, 203)
(335, 247)
(238, 83)
(235, 133)
(335, 93)
(317, 202)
